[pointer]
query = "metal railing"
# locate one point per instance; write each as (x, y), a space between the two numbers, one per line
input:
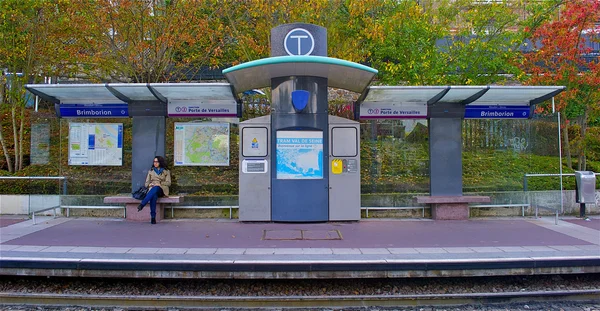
(545, 175)
(526, 176)
(53, 208)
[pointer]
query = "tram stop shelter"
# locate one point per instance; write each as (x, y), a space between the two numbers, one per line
(443, 106)
(305, 76)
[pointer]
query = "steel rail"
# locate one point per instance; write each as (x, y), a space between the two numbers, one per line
(154, 301)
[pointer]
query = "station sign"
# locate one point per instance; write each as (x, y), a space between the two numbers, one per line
(299, 41)
(393, 111)
(92, 111)
(194, 108)
(497, 112)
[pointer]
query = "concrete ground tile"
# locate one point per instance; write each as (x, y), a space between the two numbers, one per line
(57, 249)
(458, 250)
(401, 251)
(114, 250)
(201, 251)
(513, 249)
(260, 251)
(171, 251)
(143, 250)
(431, 250)
(540, 248)
(29, 248)
(486, 250)
(6, 248)
(230, 251)
(375, 251)
(86, 249)
(317, 251)
(346, 251)
(589, 247)
(283, 234)
(5, 237)
(288, 251)
(565, 248)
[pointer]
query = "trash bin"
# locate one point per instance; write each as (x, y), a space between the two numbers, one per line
(585, 189)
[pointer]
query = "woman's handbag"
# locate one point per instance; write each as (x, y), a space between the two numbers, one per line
(140, 194)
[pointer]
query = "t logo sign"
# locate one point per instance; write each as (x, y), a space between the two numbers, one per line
(299, 42)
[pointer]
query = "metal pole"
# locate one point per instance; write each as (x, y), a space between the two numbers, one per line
(562, 208)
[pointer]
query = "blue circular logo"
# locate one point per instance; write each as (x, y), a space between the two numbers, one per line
(299, 42)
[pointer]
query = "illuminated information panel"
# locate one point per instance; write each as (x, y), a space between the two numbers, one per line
(299, 154)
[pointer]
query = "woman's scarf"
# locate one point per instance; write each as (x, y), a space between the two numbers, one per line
(158, 171)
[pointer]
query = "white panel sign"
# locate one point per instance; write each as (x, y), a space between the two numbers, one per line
(196, 108)
(254, 142)
(96, 144)
(255, 166)
(393, 111)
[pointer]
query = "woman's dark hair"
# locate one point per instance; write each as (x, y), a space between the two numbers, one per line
(161, 162)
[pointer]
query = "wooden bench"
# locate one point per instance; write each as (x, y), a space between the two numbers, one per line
(131, 204)
(451, 207)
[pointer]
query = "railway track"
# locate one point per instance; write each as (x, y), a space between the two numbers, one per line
(25, 300)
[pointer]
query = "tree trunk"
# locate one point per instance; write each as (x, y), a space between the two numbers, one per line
(6, 155)
(566, 144)
(22, 123)
(2, 101)
(14, 126)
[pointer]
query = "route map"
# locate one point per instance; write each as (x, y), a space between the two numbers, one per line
(201, 144)
(98, 144)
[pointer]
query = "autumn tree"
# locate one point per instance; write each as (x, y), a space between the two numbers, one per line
(404, 48)
(561, 56)
(141, 40)
(26, 49)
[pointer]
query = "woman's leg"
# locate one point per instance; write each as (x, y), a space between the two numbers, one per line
(153, 205)
(153, 200)
(153, 192)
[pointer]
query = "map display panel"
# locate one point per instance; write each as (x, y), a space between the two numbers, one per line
(99, 144)
(299, 154)
(201, 144)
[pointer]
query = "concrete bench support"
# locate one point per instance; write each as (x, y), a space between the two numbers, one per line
(131, 204)
(451, 207)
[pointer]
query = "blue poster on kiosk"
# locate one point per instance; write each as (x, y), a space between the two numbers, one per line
(299, 155)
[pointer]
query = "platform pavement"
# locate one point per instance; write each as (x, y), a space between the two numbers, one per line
(83, 242)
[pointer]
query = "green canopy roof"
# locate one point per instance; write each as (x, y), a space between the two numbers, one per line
(339, 73)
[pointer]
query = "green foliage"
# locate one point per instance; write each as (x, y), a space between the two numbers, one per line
(592, 142)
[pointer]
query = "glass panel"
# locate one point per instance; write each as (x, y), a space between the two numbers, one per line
(513, 95)
(498, 153)
(134, 91)
(458, 94)
(394, 157)
(93, 179)
(206, 91)
(80, 93)
(402, 94)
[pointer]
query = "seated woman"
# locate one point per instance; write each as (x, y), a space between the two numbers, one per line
(158, 181)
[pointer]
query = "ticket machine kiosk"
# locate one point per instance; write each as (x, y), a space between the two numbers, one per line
(299, 164)
(258, 168)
